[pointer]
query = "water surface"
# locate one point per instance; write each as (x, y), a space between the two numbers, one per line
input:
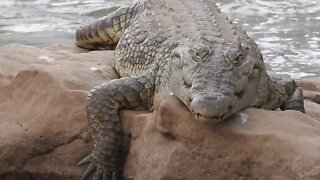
(288, 32)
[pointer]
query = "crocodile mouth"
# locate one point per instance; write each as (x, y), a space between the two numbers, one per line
(214, 119)
(204, 118)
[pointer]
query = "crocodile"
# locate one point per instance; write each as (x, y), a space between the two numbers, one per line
(186, 48)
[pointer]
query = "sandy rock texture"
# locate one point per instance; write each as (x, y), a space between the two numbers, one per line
(44, 132)
(43, 127)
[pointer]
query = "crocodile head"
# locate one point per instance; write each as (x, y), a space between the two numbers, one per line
(216, 81)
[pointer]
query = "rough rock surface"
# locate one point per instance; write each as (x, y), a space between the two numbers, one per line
(44, 133)
(43, 127)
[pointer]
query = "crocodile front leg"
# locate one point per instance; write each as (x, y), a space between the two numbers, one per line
(284, 93)
(103, 105)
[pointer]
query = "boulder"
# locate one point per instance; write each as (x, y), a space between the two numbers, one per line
(43, 127)
(311, 89)
(44, 131)
(253, 144)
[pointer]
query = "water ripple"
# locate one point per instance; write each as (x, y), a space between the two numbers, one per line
(286, 31)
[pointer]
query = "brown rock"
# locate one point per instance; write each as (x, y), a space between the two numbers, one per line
(43, 122)
(44, 132)
(311, 89)
(311, 84)
(265, 145)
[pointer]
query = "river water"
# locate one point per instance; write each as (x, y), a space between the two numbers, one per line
(288, 32)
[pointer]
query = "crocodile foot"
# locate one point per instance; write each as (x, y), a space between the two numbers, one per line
(295, 102)
(97, 169)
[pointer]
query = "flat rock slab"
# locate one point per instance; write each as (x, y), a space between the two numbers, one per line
(44, 131)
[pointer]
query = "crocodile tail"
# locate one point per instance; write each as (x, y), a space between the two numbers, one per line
(98, 35)
(106, 32)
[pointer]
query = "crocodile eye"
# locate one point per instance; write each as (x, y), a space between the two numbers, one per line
(238, 59)
(235, 59)
(196, 56)
(176, 59)
(199, 53)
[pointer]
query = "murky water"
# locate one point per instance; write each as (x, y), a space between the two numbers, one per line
(288, 32)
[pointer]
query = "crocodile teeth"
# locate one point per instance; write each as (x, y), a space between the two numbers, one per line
(205, 118)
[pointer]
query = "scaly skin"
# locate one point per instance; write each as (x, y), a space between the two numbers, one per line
(185, 47)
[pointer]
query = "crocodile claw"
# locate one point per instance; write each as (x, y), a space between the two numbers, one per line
(97, 170)
(91, 168)
(85, 160)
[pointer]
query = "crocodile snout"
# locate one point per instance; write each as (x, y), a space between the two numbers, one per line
(211, 108)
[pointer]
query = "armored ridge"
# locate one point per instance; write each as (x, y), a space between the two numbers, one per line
(184, 47)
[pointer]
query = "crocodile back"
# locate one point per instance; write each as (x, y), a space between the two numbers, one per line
(161, 25)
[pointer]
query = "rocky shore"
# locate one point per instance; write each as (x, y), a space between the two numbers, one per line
(44, 131)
